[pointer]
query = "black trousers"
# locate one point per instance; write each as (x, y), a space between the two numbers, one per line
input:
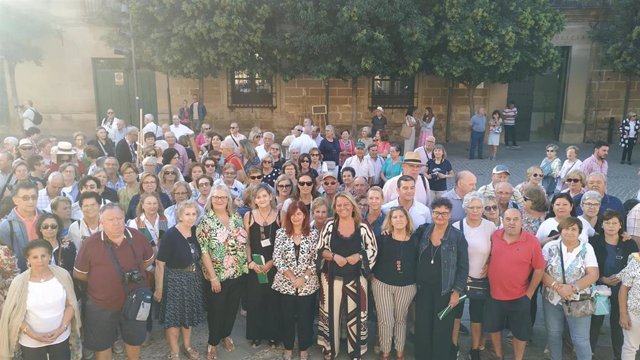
(59, 351)
(628, 150)
(297, 314)
(510, 134)
(222, 308)
(433, 336)
(617, 338)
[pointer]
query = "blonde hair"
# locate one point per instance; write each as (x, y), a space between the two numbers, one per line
(357, 217)
(386, 224)
(224, 189)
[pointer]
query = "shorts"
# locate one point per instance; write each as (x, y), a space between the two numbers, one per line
(476, 310)
(516, 313)
(101, 327)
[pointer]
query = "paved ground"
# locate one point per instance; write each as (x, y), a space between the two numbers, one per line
(623, 183)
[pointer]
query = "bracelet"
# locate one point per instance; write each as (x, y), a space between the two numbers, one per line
(333, 255)
(553, 285)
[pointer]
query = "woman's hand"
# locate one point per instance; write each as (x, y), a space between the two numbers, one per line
(216, 287)
(484, 271)
(454, 299)
(565, 291)
(353, 259)
(625, 321)
(298, 283)
(339, 260)
(611, 280)
(157, 295)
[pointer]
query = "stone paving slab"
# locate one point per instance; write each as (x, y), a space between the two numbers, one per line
(623, 183)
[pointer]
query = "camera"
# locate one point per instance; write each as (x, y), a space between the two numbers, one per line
(133, 277)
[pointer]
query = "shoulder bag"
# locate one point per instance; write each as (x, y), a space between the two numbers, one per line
(477, 289)
(137, 305)
(576, 308)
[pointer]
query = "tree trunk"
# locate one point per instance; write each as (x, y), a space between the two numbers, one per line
(354, 104)
(627, 90)
(471, 90)
(449, 110)
(14, 95)
(168, 98)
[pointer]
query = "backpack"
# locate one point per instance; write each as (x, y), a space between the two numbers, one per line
(37, 117)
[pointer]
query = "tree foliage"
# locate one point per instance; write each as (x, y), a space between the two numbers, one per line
(619, 35)
(352, 38)
(494, 40)
(20, 33)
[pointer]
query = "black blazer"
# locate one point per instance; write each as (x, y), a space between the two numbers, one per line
(108, 149)
(123, 153)
(600, 249)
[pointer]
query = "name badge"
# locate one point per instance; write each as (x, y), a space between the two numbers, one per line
(265, 242)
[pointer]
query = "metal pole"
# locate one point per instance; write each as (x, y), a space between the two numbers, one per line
(133, 61)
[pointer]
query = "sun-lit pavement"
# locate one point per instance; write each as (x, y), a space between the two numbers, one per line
(623, 183)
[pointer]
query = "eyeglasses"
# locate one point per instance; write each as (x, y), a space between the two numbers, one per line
(299, 130)
(28, 197)
(204, 184)
(180, 193)
(327, 183)
(148, 183)
(491, 208)
(267, 162)
(550, 150)
(26, 148)
(441, 213)
(284, 186)
(255, 177)
(572, 180)
(314, 154)
(170, 173)
(525, 198)
(537, 175)
(90, 187)
(219, 198)
(233, 127)
(176, 157)
(230, 173)
(257, 136)
(305, 183)
(590, 204)
(49, 226)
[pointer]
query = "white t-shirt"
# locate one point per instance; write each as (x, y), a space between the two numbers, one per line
(361, 167)
(180, 130)
(419, 213)
(304, 143)
(551, 224)
(390, 190)
(46, 302)
(589, 257)
(632, 129)
(262, 153)
(154, 128)
(479, 242)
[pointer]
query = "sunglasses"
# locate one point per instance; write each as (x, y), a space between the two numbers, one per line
(49, 226)
(299, 130)
(170, 173)
(255, 177)
(525, 198)
(327, 183)
(284, 186)
(233, 127)
(537, 175)
(305, 183)
(209, 165)
(314, 154)
(550, 150)
(491, 208)
(572, 180)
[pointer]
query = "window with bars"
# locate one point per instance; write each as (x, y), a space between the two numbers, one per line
(249, 89)
(392, 92)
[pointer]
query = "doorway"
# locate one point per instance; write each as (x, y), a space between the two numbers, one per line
(113, 82)
(540, 101)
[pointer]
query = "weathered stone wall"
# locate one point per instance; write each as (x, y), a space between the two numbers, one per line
(294, 99)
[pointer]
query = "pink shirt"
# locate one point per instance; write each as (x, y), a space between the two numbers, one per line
(591, 165)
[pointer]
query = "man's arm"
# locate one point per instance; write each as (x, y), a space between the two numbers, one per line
(535, 281)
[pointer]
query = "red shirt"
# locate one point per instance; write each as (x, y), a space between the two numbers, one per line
(235, 160)
(104, 286)
(511, 265)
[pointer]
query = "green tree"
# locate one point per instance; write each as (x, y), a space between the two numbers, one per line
(493, 41)
(20, 34)
(619, 36)
(348, 39)
(193, 39)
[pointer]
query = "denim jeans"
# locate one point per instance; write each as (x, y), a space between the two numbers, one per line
(578, 329)
(477, 137)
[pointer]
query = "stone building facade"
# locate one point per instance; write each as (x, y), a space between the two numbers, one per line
(81, 77)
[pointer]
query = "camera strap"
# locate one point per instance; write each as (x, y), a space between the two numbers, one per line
(114, 258)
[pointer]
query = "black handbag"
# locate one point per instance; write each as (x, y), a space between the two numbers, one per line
(137, 305)
(477, 289)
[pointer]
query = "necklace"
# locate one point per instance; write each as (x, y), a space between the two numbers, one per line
(434, 251)
(399, 261)
(42, 278)
(264, 224)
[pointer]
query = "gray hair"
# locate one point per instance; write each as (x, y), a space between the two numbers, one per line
(184, 205)
(149, 116)
(268, 134)
(131, 129)
(591, 195)
(474, 195)
(149, 160)
(110, 206)
(54, 175)
(596, 174)
(330, 127)
(553, 147)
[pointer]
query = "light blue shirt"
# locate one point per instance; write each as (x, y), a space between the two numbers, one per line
(478, 123)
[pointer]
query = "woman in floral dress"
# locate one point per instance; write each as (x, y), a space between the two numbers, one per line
(223, 240)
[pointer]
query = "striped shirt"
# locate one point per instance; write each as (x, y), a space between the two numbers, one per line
(509, 116)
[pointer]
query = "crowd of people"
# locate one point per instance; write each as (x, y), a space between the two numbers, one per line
(102, 238)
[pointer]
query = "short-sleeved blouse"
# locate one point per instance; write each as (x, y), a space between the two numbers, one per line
(630, 277)
(225, 246)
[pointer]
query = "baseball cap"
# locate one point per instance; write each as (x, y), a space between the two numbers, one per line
(501, 169)
(360, 144)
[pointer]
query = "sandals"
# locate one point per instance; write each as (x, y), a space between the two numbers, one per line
(175, 356)
(384, 356)
(211, 352)
(228, 345)
(190, 353)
